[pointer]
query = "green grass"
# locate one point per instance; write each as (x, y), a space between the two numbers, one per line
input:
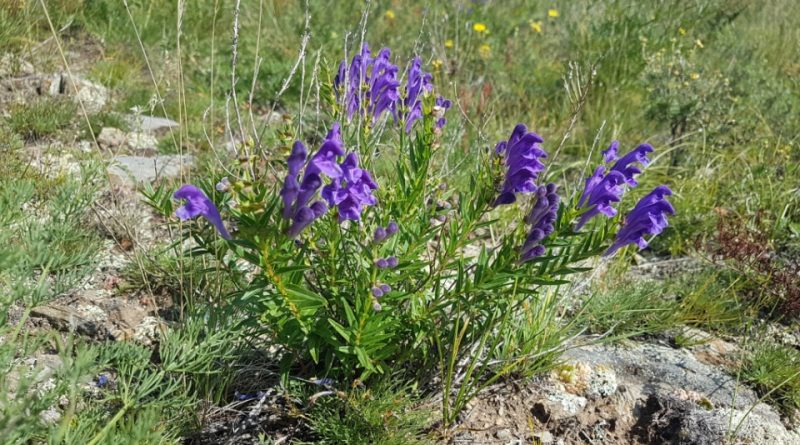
(382, 415)
(626, 309)
(774, 370)
(41, 118)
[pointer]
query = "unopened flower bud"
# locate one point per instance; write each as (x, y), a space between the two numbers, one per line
(391, 261)
(376, 306)
(377, 292)
(385, 288)
(392, 228)
(380, 235)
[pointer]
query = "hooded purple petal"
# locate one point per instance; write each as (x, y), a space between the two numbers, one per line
(197, 204)
(648, 217)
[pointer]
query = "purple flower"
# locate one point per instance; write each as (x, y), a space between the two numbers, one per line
(370, 84)
(198, 204)
(522, 154)
(623, 165)
(604, 188)
(102, 380)
(648, 217)
(377, 292)
(296, 196)
(351, 192)
(417, 84)
(380, 235)
(383, 84)
(542, 219)
(599, 194)
(440, 107)
(610, 153)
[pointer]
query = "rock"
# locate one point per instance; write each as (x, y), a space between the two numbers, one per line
(93, 96)
(667, 419)
(142, 143)
(111, 138)
(157, 126)
(602, 382)
(128, 171)
(558, 406)
(148, 330)
(545, 438)
(504, 434)
(67, 319)
(645, 369)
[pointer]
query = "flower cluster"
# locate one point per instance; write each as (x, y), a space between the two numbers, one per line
(648, 217)
(522, 159)
(371, 87)
(350, 189)
(607, 185)
(542, 218)
(198, 204)
(371, 84)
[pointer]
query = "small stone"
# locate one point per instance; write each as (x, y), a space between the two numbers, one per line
(111, 138)
(143, 143)
(504, 434)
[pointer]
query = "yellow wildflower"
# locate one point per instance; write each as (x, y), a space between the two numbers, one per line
(485, 51)
(694, 76)
(553, 13)
(437, 64)
(535, 26)
(681, 31)
(699, 43)
(479, 27)
(448, 43)
(389, 15)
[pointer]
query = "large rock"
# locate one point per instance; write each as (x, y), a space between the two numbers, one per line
(133, 170)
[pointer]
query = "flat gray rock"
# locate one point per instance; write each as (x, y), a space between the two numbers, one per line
(133, 170)
(153, 125)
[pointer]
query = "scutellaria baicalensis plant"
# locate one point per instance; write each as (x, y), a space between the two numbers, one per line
(348, 279)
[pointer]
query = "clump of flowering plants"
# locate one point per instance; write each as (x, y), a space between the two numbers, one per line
(360, 258)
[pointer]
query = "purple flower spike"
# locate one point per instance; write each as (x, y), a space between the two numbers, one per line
(542, 219)
(623, 165)
(610, 153)
(522, 154)
(198, 204)
(383, 85)
(603, 189)
(599, 195)
(417, 84)
(648, 217)
(352, 192)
